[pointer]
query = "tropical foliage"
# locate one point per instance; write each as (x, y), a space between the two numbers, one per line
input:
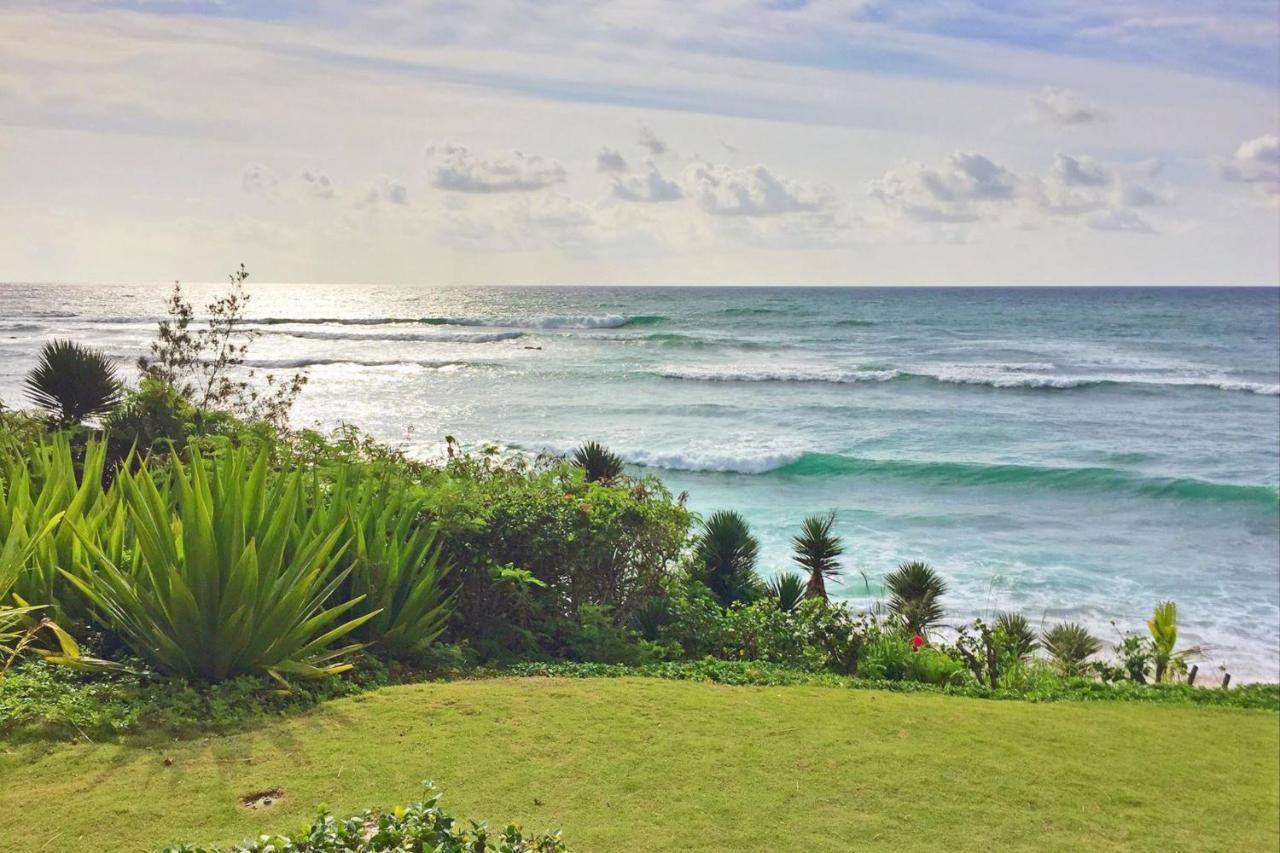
(726, 553)
(73, 383)
(598, 463)
(787, 590)
(817, 550)
(916, 591)
(1070, 645)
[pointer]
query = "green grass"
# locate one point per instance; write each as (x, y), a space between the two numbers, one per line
(632, 764)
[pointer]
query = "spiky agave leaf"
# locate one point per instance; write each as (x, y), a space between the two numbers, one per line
(726, 553)
(788, 589)
(73, 383)
(1070, 645)
(218, 568)
(599, 463)
(916, 591)
(817, 550)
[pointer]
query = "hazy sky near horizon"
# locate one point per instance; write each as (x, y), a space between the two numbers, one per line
(722, 141)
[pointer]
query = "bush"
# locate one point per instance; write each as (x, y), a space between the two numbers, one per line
(417, 826)
(73, 383)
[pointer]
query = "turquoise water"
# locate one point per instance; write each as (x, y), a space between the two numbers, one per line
(1073, 453)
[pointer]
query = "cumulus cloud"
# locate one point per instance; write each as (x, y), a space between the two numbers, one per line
(385, 191)
(258, 179)
(1065, 109)
(1257, 162)
(972, 188)
(650, 142)
(754, 191)
(1080, 171)
(457, 169)
(317, 184)
(609, 161)
(649, 187)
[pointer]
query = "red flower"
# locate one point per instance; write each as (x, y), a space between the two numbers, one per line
(916, 642)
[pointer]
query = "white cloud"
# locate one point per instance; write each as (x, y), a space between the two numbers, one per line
(649, 141)
(385, 190)
(458, 170)
(1080, 171)
(317, 184)
(754, 191)
(609, 161)
(257, 179)
(649, 187)
(1257, 162)
(1120, 220)
(1065, 109)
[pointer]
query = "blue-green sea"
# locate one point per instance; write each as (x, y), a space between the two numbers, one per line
(1071, 453)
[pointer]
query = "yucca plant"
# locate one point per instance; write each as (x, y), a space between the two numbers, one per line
(1163, 626)
(816, 549)
(915, 593)
(396, 567)
(788, 590)
(220, 568)
(726, 554)
(73, 383)
(1070, 645)
(1014, 637)
(599, 463)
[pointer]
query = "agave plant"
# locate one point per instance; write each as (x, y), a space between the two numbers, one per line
(600, 464)
(73, 383)
(915, 592)
(816, 550)
(726, 554)
(20, 622)
(1014, 636)
(1070, 645)
(396, 567)
(220, 568)
(788, 590)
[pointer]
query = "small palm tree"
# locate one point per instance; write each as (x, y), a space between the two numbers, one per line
(788, 589)
(916, 590)
(73, 382)
(726, 554)
(599, 463)
(1015, 637)
(816, 549)
(1070, 645)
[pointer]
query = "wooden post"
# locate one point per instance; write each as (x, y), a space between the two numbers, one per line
(1226, 679)
(1191, 676)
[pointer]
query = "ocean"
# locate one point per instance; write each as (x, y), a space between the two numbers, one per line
(1072, 453)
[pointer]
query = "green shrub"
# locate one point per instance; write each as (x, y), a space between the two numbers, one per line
(916, 591)
(725, 554)
(598, 463)
(417, 826)
(153, 416)
(787, 590)
(817, 551)
(73, 383)
(1070, 645)
(212, 570)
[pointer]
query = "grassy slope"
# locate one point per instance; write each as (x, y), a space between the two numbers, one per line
(630, 764)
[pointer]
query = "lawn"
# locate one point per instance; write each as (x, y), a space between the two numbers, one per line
(646, 764)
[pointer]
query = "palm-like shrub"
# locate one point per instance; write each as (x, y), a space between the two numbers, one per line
(218, 568)
(396, 567)
(788, 590)
(1070, 645)
(1163, 626)
(599, 463)
(916, 591)
(816, 550)
(1014, 637)
(726, 554)
(73, 383)
(651, 616)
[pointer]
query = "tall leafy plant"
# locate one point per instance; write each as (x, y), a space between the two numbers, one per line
(726, 552)
(1163, 626)
(221, 567)
(817, 550)
(916, 592)
(1070, 645)
(73, 383)
(599, 464)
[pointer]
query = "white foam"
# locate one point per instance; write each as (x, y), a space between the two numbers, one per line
(763, 374)
(439, 337)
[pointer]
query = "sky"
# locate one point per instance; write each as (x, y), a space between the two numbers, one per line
(460, 142)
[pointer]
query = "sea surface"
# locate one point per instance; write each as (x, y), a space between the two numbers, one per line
(1070, 453)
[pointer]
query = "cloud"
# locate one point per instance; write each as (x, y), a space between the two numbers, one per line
(1080, 171)
(649, 187)
(458, 170)
(609, 161)
(649, 141)
(1257, 162)
(1120, 220)
(1065, 109)
(317, 183)
(755, 191)
(257, 179)
(385, 190)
